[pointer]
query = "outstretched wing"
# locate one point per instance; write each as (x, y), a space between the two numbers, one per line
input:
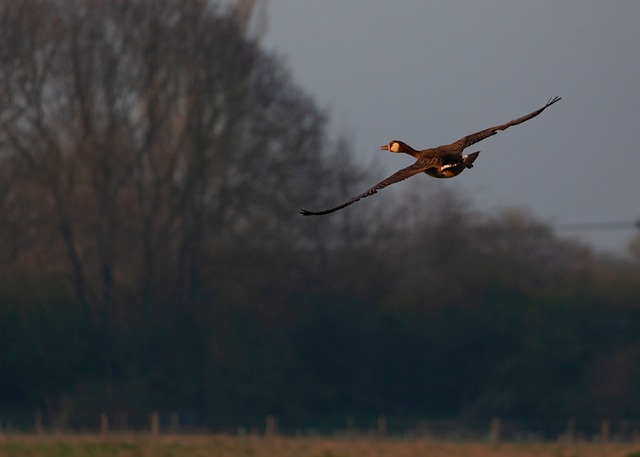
(405, 173)
(482, 134)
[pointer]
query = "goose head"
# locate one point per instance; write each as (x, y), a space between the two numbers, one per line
(398, 146)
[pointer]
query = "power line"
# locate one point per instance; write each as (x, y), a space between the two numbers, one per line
(609, 225)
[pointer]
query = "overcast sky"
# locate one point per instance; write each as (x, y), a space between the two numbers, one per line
(430, 72)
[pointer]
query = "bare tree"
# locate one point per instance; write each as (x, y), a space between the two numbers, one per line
(143, 145)
(250, 16)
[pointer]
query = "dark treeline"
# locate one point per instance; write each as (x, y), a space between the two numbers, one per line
(151, 254)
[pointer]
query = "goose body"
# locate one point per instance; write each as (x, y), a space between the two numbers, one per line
(444, 161)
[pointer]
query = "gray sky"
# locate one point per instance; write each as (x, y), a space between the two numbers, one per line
(430, 72)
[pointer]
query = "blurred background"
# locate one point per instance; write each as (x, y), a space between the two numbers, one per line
(154, 158)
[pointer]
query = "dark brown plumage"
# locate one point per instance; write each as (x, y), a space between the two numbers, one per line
(440, 162)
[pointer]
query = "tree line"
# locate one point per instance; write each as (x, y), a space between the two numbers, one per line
(153, 161)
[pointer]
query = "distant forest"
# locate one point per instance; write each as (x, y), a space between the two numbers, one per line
(154, 158)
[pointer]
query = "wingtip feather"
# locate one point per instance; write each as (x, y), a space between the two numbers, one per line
(552, 100)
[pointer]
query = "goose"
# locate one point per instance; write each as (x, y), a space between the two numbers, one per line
(444, 161)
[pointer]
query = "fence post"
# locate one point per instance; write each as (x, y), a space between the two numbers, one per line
(604, 431)
(571, 430)
(271, 428)
(155, 423)
(382, 425)
(104, 424)
(625, 429)
(124, 426)
(350, 425)
(175, 422)
(495, 430)
(38, 422)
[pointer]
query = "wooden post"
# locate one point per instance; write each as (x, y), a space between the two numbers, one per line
(571, 430)
(625, 429)
(104, 424)
(350, 425)
(124, 426)
(175, 422)
(382, 425)
(495, 430)
(604, 431)
(38, 422)
(155, 423)
(271, 428)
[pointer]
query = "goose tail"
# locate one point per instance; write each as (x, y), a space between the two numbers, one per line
(469, 159)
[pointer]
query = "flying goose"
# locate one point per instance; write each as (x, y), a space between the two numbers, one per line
(440, 162)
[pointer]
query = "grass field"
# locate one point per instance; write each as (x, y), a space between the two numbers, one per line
(255, 446)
